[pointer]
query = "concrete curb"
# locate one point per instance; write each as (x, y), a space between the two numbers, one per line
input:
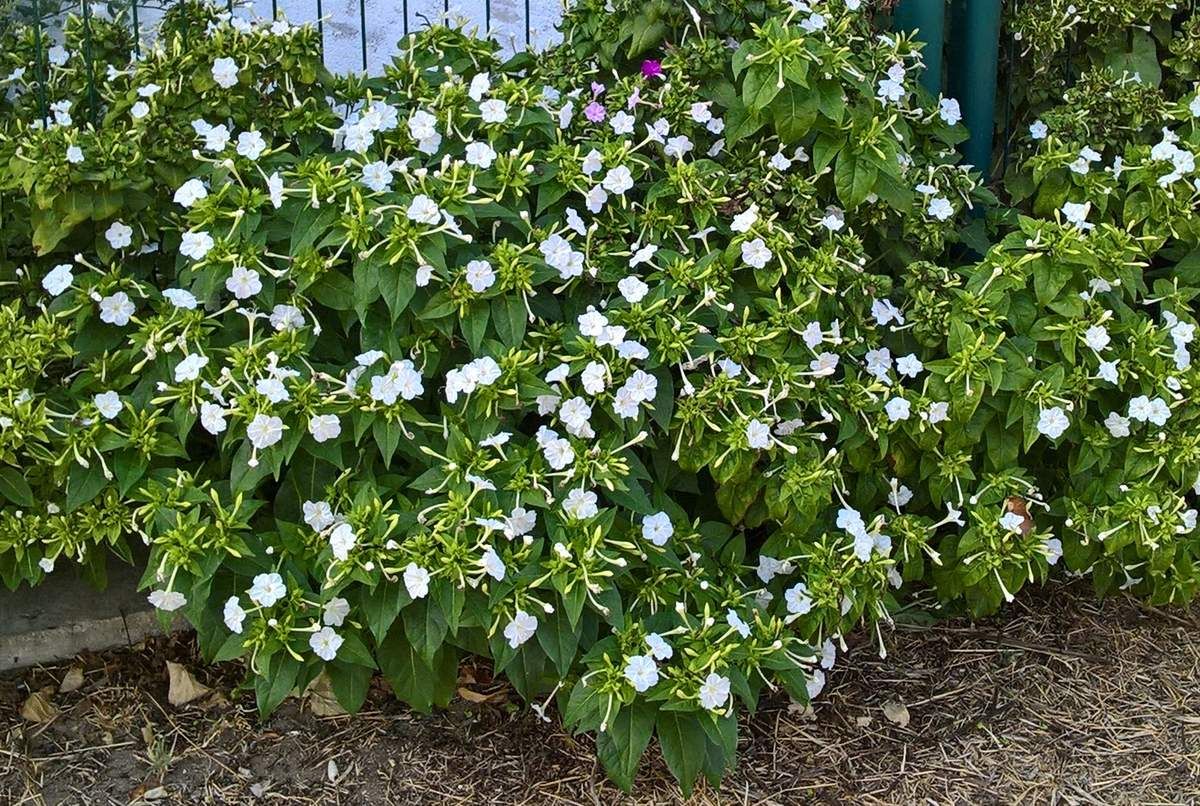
(65, 615)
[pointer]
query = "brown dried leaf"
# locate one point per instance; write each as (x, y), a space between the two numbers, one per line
(184, 688)
(896, 712)
(72, 680)
(321, 699)
(39, 707)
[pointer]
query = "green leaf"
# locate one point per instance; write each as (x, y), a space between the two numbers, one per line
(277, 681)
(683, 746)
(418, 683)
(853, 177)
(14, 487)
(559, 639)
(84, 484)
(509, 318)
(794, 111)
(760, 86)
(381, 605)
(397, 286)
(350, 683)
(620, 747)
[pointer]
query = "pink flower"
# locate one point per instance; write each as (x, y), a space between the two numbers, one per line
(652, 68)
(597, 88)
(594, 112)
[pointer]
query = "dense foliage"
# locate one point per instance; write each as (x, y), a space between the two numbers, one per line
(647, 368)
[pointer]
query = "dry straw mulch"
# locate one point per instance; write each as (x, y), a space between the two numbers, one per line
(1063, 699)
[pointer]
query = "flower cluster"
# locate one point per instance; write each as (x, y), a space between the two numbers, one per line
(647, 378)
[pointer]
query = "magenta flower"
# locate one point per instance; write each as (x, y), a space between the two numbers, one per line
(597, 89)
(594, 112)
(652, 68)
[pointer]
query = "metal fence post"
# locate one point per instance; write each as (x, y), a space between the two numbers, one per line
(974, 64)
(928, 19)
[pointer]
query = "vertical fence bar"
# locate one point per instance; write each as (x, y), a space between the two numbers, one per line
(39, 61)
(321, 28)
(137, 29)
(974, 59)
(487, 16)
(928, 19)
(89, 58)
(526, 23)
(406, 17)
(362, 21)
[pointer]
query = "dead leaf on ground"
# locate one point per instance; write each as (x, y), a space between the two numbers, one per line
(39, 707)
(72, 680)
(184, 688)
(321, 699)
(896, 712)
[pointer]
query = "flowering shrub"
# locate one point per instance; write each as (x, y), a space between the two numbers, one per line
(646, 373)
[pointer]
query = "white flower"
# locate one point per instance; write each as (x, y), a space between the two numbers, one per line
(481, 155)
(642, 672)
(617, 180)
(743, 221)
(1012, 522)
(225, 72)
(622, 123)
(797, 599)
(1194, 107)
(119, 235)
(735, 621)
(758, 435)
(493, 565)
(714, 692)
(424, 210)
(898, 408)
(480, 275)
(816, 682)
(267, 589)
(1107, 371)
(909, 366)
(1038, 130)
(755, 253)
(659, 648)
(377, 176)
(1076, 214)
(243, 283)
(264, 431)
(1097, 337)
(195, 245)
(558, 453)
(325, 427)
(416, 581)
(657, 528)
(422, 125)
(74, 155)
(325, 642)
(341, 540)
(58, 279)
(212, 418)
(180, 298)
(275, 189)
(938, 412)
(493, 111)
(167, 601)
(116, 309)
(234, 615)
(480, 85)
(701, 111)
(108, 404)
(318, 515)
(251, 145)
(139, 110)
(57, 55)
(885, 312)
(215, 137)
(1052, 422)
(522, 627)
(190, 192)
(189, 368)
(595, 199)
(335, 611)
(949, 111)
(1053, 550)
(286, 317)
(678, 146)
(580, 504)
(940, 208)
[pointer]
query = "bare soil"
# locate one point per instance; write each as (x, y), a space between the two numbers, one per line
(1062, 699)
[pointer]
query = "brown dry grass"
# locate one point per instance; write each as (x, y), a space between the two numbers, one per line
(1062, 700)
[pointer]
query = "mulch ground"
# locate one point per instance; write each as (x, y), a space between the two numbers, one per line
(1064, 699)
